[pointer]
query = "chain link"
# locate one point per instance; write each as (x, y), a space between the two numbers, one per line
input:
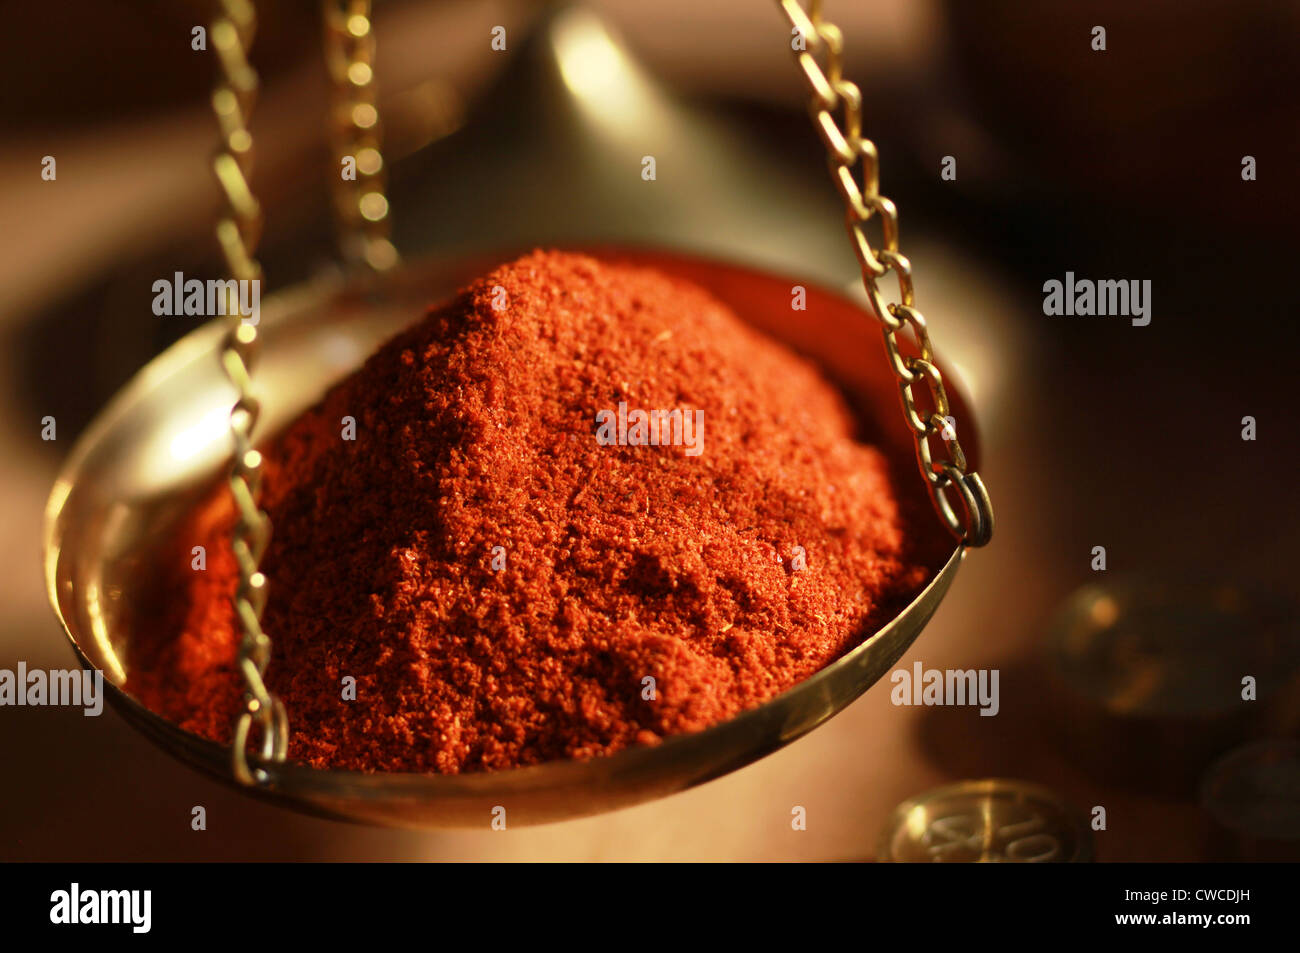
(361, 207)
(238, 230)
(845, 148)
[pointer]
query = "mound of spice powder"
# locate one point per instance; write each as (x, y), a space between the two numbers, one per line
(501, 578)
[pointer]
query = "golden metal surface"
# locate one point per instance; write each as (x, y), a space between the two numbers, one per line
(986, 821)
(238, 230)
(813, 36)
(159, 444)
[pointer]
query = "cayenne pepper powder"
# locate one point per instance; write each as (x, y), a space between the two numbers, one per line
(502, 584)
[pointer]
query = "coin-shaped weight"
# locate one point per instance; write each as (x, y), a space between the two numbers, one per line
(1156, 678)
(1253, 796)
(986, 821)
(1145, 648)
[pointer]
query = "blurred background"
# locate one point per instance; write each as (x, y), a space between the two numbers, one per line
(1124, 163)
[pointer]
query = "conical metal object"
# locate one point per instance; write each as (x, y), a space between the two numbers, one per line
(561, 148)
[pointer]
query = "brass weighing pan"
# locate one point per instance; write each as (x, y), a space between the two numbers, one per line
(163, 440)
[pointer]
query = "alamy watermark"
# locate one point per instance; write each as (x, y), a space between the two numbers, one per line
(651, 428)
(133, 908)
(178, 296)
(1083, 296)
(60, 687)
(948, 687)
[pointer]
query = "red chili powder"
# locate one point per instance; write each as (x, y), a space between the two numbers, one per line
(477, 429)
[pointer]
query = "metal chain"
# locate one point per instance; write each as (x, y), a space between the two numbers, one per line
(238, 230)
(361, 208)
(845, 146)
